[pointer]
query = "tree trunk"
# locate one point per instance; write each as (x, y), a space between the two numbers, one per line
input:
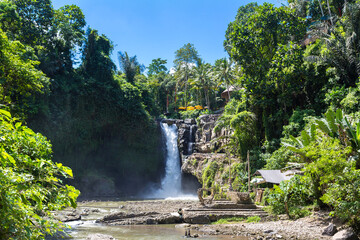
(322, 12)
(228, 89)
(167, 101)
(329, 12)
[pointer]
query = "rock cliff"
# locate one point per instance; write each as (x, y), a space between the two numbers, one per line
(201, 150)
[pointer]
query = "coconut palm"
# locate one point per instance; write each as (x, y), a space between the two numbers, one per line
(224, 72)
(130, 66)
(203, 80)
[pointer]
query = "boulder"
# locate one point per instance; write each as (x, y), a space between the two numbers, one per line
(197, 218)
(98, 236)
(169, 121)
(123, 215)
(239, 197)
(190, 121)
(346, 234)
(330, 230)
(69, 217)
(122, 218)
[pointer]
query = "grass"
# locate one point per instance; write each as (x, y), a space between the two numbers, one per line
(253, 219)
(237, 219)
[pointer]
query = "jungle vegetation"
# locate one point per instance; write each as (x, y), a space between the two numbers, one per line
(294, 74)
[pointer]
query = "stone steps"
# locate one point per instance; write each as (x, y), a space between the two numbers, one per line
(230, 205)
(207, 215)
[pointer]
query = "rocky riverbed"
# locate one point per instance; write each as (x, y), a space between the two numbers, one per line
(153, 212)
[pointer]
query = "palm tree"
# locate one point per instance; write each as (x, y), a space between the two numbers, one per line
(203, 79)
(130, 66)
(224, 72)
(185, 58)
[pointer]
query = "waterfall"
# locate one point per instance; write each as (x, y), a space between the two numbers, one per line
(171, 183)
(191, 141)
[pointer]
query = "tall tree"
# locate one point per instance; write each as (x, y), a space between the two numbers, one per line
(130, 66)
(224, 73)
(36, 20)
(96, 57)
(157, 66)
(203, 79)
(19, 76)
(185, 58)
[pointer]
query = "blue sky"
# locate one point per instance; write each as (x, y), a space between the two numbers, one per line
(157, 28)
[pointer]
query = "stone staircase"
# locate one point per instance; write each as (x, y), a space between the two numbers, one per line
(221, 209)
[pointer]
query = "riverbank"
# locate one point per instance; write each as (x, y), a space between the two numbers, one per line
(310, 227)
(307, 228)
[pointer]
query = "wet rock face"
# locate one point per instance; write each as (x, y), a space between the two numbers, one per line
(196, 164)
(196, 136)
(206, 134)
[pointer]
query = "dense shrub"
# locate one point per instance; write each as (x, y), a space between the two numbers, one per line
(30, 183)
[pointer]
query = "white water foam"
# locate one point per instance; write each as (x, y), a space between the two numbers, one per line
(171, 183)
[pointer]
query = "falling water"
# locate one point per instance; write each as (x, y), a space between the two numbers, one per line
(171, 183)
(191, 141)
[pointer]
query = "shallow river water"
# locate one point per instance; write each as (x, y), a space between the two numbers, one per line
(82, 229)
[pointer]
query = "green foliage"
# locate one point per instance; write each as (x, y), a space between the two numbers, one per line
(278, 159)
(344, 195)
(96, 57)
(19, 78)
(253, 219)
(31, 184)
(193, 113)
(186, 54)
(297, 122)
(328, 158)
(289, 196)
(243, 125)
(130, 66)
(209, 174)
(229, 220)
(157, 66)
(237, 219)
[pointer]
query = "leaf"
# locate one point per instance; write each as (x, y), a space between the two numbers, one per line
(330, 118)
(294, 149)
(5, 113)
(297, 141)
(339, 115)
(321, 125)
(305, 138)
(6, 156)
(312, 132)
(73, 203)
(17, 125)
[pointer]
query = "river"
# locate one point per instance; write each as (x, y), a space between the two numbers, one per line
(82, 229)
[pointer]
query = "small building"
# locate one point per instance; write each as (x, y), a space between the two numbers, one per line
(225, 94)
(271, 177)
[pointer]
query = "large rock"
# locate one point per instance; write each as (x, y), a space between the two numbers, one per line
(239, 197)
(346, 234)
(98, 236)
(197, 218)
(330, 230)
(123, 215)
(122, 218)
(190, 121)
